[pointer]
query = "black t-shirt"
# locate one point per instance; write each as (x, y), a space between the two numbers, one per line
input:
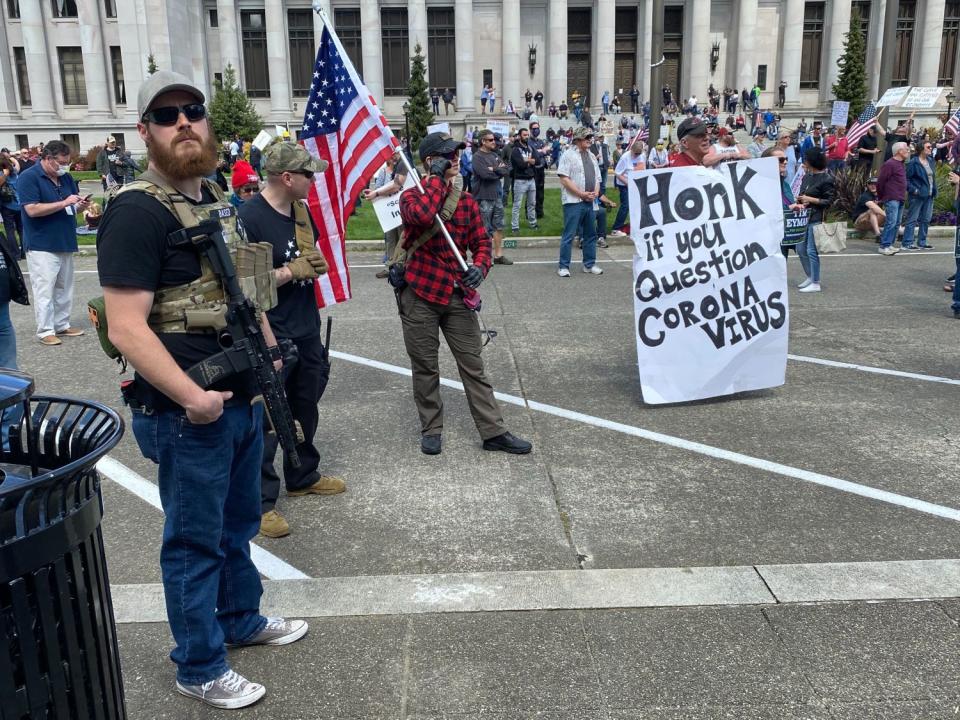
(296, 314)
(861, 207)
(867, 142)
(133, 251)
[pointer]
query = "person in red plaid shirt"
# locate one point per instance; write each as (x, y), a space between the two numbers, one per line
(432, 299)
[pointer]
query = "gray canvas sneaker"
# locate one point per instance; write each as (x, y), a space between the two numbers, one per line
(229, 691)
(277, 631)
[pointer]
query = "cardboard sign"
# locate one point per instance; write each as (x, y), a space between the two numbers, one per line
(841, 112)
(710, 281)
(892, 96)
(388, 207)
(262, 140)
(795, 224)
(443, 127)
(922, 98)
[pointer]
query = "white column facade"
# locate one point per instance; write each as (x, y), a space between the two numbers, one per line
(370, 48)
(8, 92)
(791, 51)
(698, 49)
(466, 87)
(643, 67)
(746, 29)
(510, 69)
(417, 21)
(229, 36)
(838, 28)
(557, 49)
(94, 64)
(132, 55)
(604, 47)
(931, 38)
(277, 57)
(38, 65)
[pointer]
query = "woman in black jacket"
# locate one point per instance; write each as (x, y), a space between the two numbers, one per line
(817, 193)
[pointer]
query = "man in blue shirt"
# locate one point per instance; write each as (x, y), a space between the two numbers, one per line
(49, 201)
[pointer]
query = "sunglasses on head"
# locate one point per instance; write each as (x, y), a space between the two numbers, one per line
(170, 114)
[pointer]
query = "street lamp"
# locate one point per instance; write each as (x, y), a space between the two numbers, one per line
(951, 98)
(406, 125)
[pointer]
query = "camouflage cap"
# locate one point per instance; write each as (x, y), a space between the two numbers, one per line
(284, 157)
(582, 133)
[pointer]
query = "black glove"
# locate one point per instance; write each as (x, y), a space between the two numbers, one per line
(472, 277)
(439, 166)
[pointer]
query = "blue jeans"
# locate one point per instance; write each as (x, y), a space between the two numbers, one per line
(919, 213)
(809, 257)
(209, 479)
(8, 340)
(956, 287)
(579, 219)
(623, 212)
(892, 208)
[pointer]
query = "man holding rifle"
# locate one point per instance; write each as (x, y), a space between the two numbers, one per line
(166, 249)
(437, 292)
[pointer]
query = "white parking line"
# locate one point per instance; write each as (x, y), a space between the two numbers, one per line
(770, 466)
(874, 370)
(267, 563)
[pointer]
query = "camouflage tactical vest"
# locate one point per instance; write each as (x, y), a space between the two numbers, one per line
(200, 305)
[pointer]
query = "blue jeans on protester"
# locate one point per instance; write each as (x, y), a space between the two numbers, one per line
(809, 257)
(888, 236)
(919, 213)
(209, 479)
(579, 219)
(8, 340)
(623, 212)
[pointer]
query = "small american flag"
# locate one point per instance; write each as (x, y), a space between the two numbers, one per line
(644, 134)
(863, 123)
(953, 124)
(343, 125)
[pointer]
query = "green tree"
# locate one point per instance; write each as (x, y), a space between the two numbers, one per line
(231, 111)
(419, 114)
(851, 83)
(151, 64)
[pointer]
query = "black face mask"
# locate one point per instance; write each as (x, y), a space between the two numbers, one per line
(535, 132)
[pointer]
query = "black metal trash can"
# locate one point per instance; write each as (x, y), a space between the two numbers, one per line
(59, 656)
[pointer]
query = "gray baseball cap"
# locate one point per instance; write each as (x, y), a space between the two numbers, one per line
(164, 81)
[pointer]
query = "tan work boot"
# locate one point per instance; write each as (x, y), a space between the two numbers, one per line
(274, 525)
(326, 485)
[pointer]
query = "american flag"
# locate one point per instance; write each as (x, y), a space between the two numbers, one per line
(863, 123)
(644, 134)
(343, 125)
(953, 124)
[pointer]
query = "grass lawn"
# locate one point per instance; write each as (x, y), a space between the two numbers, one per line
(80, 175)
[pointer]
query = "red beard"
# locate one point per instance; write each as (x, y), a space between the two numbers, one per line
(180, 160)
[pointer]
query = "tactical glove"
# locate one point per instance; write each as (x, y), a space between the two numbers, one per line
(472, 277)
(308, 266)
(439, 166)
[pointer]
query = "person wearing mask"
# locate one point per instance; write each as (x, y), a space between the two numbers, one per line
(868, 216)
(891, 192)
(628, 162)
(579, 188)
(658, 156)
(522, 160)
(489, 170)
(245, 183)
(817, 193)
(921, 189)
(542, 153)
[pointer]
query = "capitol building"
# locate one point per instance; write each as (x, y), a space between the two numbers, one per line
(71, 69)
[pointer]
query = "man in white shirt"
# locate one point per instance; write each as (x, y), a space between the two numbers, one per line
(629, 161)
(658, 157)
(579, 176)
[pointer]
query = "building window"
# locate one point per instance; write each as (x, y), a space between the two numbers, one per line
(255, 74)
(579, 42)
(69, 8)
(347, 23)
(116, 64)
(303, 55)
(812, 45)
(110, 8)
(20, 142)
(121, 141)
(762, 77)
(23, 82)
(214, 18)
(906, 20)
(13, 9)
(73, 140)
(949, 46)
(395, 39)
(218, 79)
(625, 59)
(488, 76)
(442, 49)
(71, 76)
(862, 7)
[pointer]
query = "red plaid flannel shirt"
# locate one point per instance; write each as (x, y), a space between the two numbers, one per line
(432, 271)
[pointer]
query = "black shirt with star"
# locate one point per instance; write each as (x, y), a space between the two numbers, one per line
(296, 314)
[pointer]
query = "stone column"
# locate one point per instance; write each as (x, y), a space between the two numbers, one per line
(229, 37)
(132, 54)
(930, 37)
(370, 47)
(697, 52)
(94, 66)
(10, 108)
(510, 69)
(277, 58)
(557, 52)
(839, 26)
(38, 63)
(604, 51)
(746, 33)
(417, 20)
(791, 51)
(318, 22)
(466, 87)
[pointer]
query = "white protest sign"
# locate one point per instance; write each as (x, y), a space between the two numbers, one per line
(892, 96)
(501, 127)
(710, 282)
(280, 130)
(388, 207)
(443, 127)
(841, 111)
(922, 98)
(262, 140)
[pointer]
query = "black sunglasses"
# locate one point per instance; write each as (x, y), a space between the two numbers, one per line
(452, 155)
(308, 174)
(169, 115)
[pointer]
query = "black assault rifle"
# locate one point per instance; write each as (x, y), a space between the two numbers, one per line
(242, 340)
